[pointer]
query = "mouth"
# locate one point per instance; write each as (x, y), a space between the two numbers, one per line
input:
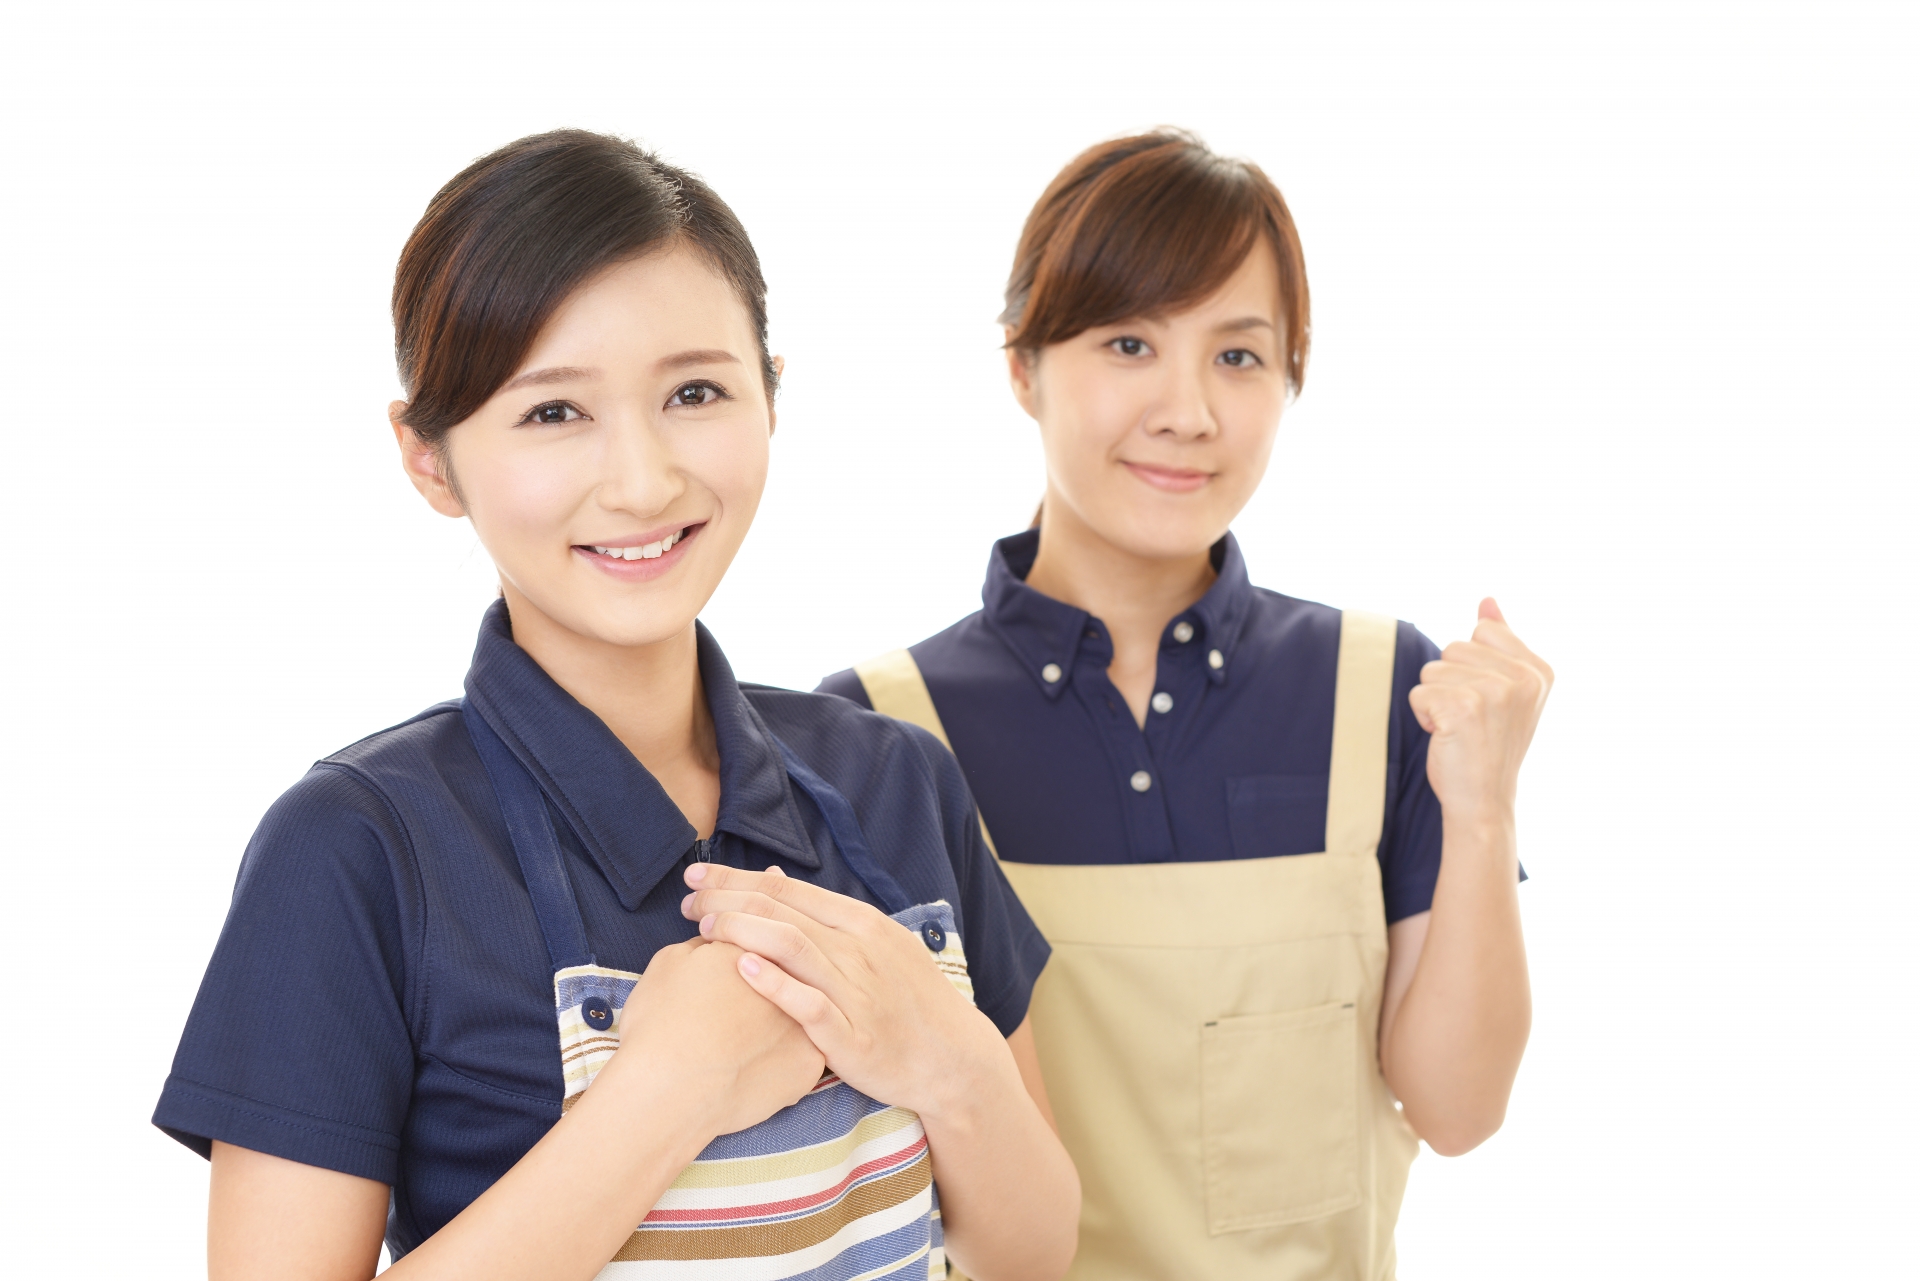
(644, 556)
(1177, 480)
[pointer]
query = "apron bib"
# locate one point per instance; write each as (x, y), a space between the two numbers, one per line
(1208, 1030)
(837, 1185)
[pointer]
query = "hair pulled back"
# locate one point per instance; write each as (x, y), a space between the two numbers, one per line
(1145, 226)
(512, 235)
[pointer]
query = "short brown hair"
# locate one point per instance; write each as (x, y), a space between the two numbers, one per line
(1144, 226)
(505, 242)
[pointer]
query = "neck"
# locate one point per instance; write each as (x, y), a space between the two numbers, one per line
(651, 697)
(1135, 596)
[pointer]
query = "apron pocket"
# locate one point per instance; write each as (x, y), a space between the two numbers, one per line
(1279, 1117)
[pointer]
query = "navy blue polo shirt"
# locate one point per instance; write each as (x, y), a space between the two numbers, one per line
(381, 1002)
(1236, 748)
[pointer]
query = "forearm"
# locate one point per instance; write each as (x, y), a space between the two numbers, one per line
(563, 1210)
(1452, 1047)
(1009, 1195)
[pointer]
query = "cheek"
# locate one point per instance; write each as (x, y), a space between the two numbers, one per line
(515, 490)
(1088, 420)
(730, 459)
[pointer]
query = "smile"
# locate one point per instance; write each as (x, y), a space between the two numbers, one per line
(644, 551)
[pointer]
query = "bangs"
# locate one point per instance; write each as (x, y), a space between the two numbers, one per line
(1146, 227)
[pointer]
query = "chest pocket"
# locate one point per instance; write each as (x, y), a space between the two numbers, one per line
(1273, 814)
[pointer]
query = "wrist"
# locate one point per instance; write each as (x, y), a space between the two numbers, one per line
(659, 1103)
(975, 1078)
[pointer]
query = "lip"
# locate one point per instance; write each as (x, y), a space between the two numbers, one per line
(640, 571)
(1174, 480)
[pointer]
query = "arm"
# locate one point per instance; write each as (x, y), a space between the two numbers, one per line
(893, 1027)
(702, 1038)
(1457, 1007)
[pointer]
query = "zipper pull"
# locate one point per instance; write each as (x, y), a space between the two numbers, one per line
(703, 850)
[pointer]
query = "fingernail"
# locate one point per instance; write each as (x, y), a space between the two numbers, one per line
(706, 925)
(686, 905)
(697, 873)
(750, 965)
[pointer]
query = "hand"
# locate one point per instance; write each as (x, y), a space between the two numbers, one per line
(728, 1055)
(1481, 701)
(865, 988)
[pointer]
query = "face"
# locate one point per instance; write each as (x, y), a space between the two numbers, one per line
(614, 476)
(1158, 430)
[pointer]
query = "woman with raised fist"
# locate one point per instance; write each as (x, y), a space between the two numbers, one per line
(1271, 843)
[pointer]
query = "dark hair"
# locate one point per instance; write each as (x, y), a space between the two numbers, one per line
(513, 234)
(1144, 226)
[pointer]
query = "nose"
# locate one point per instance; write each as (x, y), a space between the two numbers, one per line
(1180, 410)
(638, 475)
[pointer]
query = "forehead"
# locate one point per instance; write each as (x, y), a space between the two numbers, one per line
(1253, 290)
(670, 298)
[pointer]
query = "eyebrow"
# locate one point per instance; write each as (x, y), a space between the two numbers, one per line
(557, 374)
(698, 356)
(1245, 323)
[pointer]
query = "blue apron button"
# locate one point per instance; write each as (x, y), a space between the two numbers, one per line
(936, 938)
(597, 1012)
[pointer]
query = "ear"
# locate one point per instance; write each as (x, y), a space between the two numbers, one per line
(424, 465)
(773, 416)
(1020, 375)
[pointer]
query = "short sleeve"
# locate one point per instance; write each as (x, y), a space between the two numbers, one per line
(298, 1043)
(1005, 949)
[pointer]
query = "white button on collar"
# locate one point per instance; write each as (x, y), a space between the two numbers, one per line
(1163, 702)
(1141, 780)
(1183, 631)
(1214, 660)
(1051, 673)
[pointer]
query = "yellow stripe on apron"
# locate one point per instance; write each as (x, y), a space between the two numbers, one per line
(1208, 1031)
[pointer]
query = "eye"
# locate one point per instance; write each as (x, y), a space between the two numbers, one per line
(1239, 358)
(697, 393)
(554, 411)
(1129, 346)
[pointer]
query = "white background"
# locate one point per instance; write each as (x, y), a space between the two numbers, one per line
(1614, 318)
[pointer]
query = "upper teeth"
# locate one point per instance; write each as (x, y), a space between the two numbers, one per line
(645, 552)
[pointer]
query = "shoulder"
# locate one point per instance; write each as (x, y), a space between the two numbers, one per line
(359, 804)
(1306, 628)
(839, 737)
(960, 653)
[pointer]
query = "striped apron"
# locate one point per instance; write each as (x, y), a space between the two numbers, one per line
(836, 1187)
(1208, 1030)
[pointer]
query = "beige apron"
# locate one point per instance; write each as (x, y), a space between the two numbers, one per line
(1208, 1030)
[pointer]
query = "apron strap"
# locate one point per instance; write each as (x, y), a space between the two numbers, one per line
(1362, 708)
(896, 688)
(845, 826)
(530, 827)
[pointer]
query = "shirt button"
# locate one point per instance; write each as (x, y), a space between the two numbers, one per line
(1183, 631)
(1141, 780)
(934, 937)
(1214, 660)
(597, 1012)
(1163, 702)
(1050, 673)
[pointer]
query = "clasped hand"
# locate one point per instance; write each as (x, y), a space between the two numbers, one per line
(865, 990)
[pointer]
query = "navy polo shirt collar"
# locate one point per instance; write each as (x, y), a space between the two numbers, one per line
(622, 816)
(1042, 630)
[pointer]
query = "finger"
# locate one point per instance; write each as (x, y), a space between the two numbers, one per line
(817, 1016)
(1490, 608)
(822, 905)
(781, 942)
(1420, 698)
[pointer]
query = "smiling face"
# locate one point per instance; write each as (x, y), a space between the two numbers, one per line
(1157, 431)
(614, 476)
